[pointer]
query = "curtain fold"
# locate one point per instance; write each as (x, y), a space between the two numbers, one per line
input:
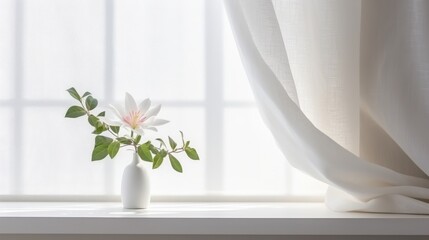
(343, 87)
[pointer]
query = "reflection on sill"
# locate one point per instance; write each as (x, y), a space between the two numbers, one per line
(158, 209)
(179, 208)
(115, 209)
(163, 198)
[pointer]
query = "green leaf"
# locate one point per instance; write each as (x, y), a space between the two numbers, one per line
(115, 129)
(137, 139)
(91, 103)
(73, 93)
(157, 161)
(153, 149)
(124, 140)
(175, 163)
(173, 144)
(93, 120)
(183, 139)
(113, 149)
(75, 111)
(99, 152)
(103, 140)
(187, 144)
(99, 130)
(163, 153)
(144, 153)
(192, 153)
(99, 124)
(86, 94)
(161, 141)
(102, 114)
(100, 149)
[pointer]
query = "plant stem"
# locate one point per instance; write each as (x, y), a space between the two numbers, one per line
(111, 132)
(177, 150)
(86, 110)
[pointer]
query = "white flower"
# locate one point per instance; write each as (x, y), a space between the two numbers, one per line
(136, 118)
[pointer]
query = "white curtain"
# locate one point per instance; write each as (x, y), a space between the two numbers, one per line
(344, 88)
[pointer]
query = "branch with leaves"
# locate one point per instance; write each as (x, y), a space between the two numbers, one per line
(127, 130)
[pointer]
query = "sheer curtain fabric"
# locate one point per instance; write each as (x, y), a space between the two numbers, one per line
(344, 88)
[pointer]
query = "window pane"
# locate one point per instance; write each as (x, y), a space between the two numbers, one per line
(6, 141)
(304, 185)
(253, 164)
(63, 47)
(57, 154)
(159, 48)
(6, 48)
(165, 181)
(236, 86)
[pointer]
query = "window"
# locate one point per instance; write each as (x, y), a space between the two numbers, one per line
(179, 53)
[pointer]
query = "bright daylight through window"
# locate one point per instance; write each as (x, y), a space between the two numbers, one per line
(179, 53)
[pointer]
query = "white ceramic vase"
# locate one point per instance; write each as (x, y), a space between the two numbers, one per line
(135, 188)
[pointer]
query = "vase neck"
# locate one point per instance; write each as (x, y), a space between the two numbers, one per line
(135, 159)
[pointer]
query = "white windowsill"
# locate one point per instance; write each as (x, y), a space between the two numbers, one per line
(201, 218)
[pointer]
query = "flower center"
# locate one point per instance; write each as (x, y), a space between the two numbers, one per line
(134, 119)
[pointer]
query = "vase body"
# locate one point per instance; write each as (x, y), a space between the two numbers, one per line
(135, 187)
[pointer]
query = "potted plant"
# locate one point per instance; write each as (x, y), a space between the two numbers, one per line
(124, 128)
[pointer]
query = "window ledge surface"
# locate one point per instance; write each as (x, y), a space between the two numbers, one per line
(201, 219)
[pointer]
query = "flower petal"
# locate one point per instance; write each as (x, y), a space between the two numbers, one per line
(158, 122)
(151, 128)
(127, 127)
(144, 105)
(153, 112)
(130, 103)
(148, 122)
(139, 131)
(111, 122)
(118, 111)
